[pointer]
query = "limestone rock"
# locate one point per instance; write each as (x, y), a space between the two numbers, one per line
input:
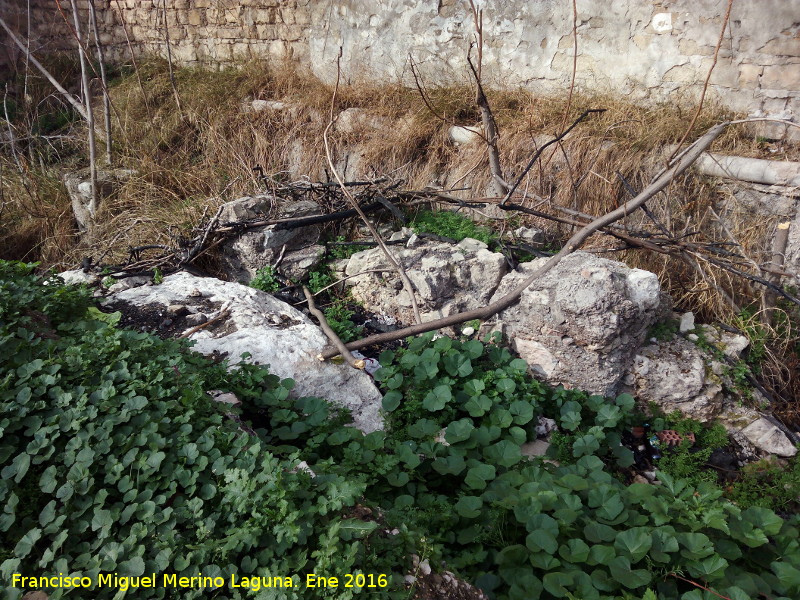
(448, 278)
(77, 277)
(768, 437)
(274, 334)
(262, 246)
(79, 188)
(673, 374)
(581, 323)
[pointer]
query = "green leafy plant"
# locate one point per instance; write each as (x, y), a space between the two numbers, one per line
(451, 225)
(339, 317)
(116, 460)
(664, 330)
(768, 484)
(687, 461)
(266, 280)
(340, 252)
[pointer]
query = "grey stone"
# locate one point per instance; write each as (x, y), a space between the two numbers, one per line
(448, 278)
(274, 334)
(77, 277)
(768, 437)
(196, 319)
(601, 307)
(263, 246)
(534, 448)
(687, 322)
(531, 236)
(225, 397)
(673, 375)
(79, 189)
(127, 283)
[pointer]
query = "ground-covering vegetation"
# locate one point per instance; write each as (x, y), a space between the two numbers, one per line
(116, 459)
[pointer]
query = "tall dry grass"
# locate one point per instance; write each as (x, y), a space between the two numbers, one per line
(188, 162)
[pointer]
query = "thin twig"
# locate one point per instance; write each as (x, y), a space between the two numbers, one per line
(335, 340)
(409, 288)
(708, 78)
(575, 242)
(219, 317)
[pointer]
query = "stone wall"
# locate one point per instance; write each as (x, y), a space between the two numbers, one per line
(642, 49)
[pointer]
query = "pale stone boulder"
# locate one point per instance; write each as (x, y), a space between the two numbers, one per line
(259, 247)
(674, 375)
(448, 278)
(581, 323)
(274, 334)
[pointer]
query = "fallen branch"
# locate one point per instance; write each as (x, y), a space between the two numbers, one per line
(575, 242)
(326, 328)
(219, 317)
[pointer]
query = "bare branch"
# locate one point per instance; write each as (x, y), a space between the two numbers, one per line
(575, 242)
(409, 288)
(323, 323)
(76, 104)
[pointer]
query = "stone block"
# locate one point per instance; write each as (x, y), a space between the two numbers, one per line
(195, 17)
(781, 77)
(783, 46)
(749, 76)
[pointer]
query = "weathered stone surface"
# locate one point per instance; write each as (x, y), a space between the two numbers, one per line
(581, 323)
(79, 188)
(673, 374)
(448, 278)
(769, 438)
(274, 334)
(261, 246)
(77, 276)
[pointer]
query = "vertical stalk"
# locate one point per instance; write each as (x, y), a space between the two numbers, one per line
(87, 102)
(103, 79)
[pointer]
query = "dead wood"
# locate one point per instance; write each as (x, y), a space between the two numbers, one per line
(407, 286)
(575, 242)
(326, 328)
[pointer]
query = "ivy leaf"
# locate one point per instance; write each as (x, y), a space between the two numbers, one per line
(585, 445)
(18, 467)
(477, 406)
(406, 453)
(521, 411)
(620, 569)
(478, 475)
(397, 478)
(474, 349)
(458, 431)
(542, 540)
(26, 544)
(608, 415)
(634, 543)
(555, 583)
(505, 453)
(712, 567)
(574, 551)
(437, 398)
(469, 506)
(391, 400)
(452, 465)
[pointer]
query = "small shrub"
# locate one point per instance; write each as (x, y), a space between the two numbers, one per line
(451, 225)
(266, 280)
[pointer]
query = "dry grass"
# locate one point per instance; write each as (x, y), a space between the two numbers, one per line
(191, 162)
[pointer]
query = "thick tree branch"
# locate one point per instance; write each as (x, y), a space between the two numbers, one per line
(76, 104)
(575, 242)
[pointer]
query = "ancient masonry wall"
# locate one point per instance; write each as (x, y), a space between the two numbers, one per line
(641, 49)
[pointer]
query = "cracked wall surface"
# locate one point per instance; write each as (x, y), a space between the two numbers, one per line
(642, 50)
